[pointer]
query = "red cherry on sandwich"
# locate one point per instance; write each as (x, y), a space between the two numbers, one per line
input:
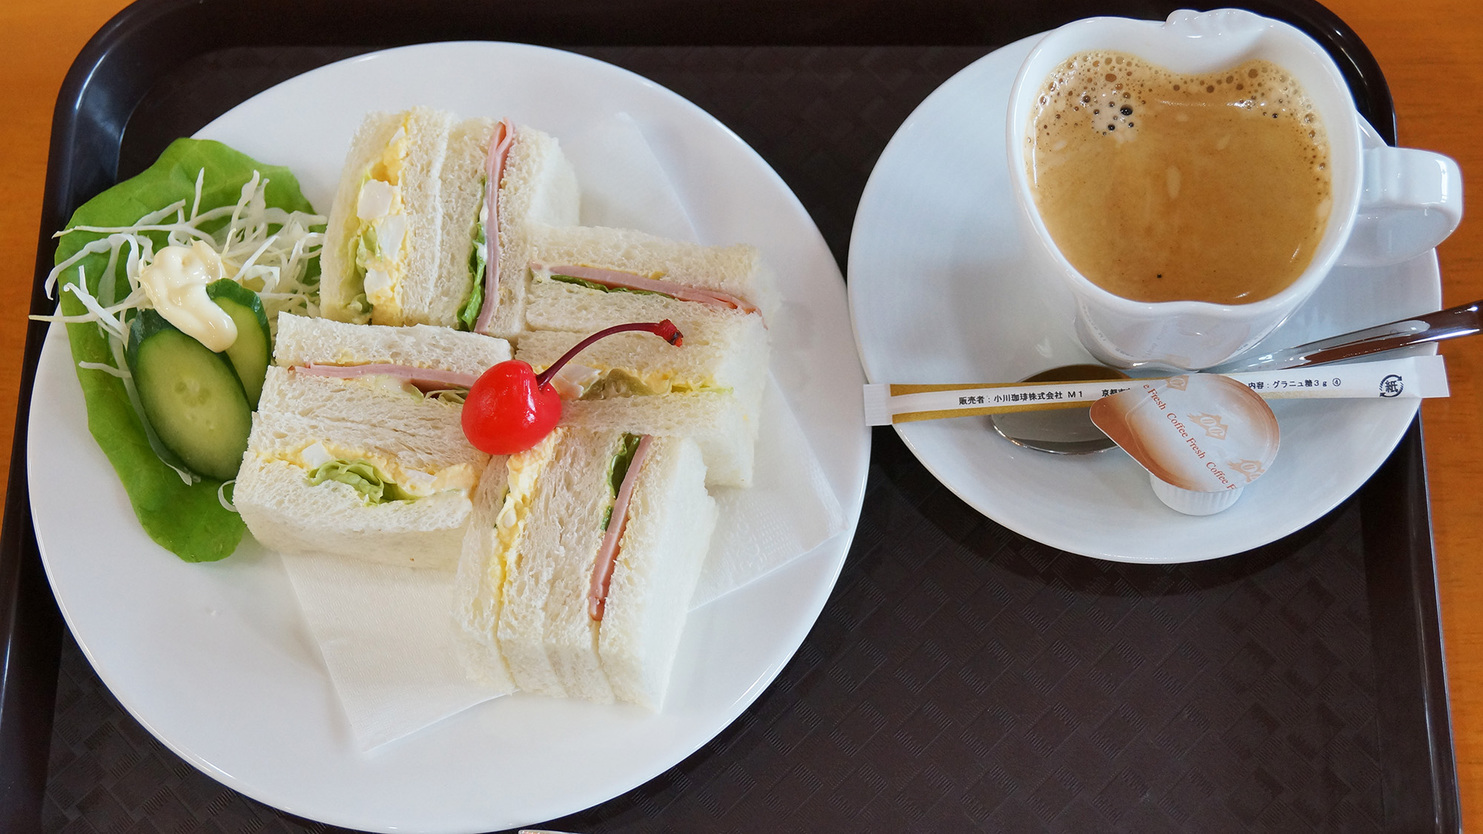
(511, 408)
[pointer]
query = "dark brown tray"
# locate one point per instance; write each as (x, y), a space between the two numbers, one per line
(961, 677)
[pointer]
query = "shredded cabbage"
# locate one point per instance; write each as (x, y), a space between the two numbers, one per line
(266, 249)
(221, 495)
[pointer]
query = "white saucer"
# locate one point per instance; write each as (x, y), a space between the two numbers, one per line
(943, 288)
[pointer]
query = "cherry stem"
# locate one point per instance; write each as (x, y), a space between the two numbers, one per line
(665, 330)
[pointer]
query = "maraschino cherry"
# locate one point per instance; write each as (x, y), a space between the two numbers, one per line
(510, 408)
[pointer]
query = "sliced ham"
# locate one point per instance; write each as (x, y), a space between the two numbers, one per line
(619, 279)
(426, 379)
(499, 153)
(607, 552)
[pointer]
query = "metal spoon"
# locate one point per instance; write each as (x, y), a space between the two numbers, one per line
(1070, 431)
(1063, 431)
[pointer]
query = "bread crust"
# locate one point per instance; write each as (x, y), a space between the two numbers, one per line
(302, 340)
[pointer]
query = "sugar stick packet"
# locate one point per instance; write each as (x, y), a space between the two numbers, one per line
(1407, 377)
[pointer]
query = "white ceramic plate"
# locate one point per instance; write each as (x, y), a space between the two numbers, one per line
(215, 659)
(943, 288)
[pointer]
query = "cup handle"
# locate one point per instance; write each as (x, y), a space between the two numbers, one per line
(1411, 200)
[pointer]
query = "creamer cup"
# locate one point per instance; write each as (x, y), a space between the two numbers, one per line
(1202, 437)
(1388, 204)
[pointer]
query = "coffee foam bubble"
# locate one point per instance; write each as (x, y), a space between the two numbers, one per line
(1105, 91)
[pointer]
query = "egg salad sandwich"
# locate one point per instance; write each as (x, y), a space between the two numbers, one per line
(357, 447)
(577, 578)
(431, 212)
(583, 279)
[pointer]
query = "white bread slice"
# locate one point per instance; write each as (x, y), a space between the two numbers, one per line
(717, 421)
(531, 562)
(664, 545)
(462, 196)
(539, 190)
(286, 512)
(337, 287)
(422, 133)
(478, 586)
(570, 632)
(422, 192)
(372, 400)
(302, 340)
(557, 305)
(494, 578)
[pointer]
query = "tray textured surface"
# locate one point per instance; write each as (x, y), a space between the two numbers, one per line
(961, 677)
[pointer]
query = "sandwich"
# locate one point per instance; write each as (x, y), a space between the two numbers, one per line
(429, 215)
(357, 447)
(583, 279)
(578, 577)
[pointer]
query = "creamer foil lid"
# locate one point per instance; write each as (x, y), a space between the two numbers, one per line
(1199, 432)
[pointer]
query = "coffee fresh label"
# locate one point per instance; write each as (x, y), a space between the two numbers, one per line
(1200, 432)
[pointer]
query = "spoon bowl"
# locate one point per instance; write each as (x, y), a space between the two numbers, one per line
(1064, 431)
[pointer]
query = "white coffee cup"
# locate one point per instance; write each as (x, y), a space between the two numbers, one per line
(1389, 204)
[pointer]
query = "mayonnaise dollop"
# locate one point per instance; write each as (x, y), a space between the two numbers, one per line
(175, 282)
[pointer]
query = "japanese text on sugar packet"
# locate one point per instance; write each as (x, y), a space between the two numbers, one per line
(1288, 384)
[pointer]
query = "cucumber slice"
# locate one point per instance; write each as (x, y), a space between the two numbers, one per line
(191, 396)
(251, 354)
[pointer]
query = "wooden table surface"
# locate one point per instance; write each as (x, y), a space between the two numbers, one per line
(1428, 49)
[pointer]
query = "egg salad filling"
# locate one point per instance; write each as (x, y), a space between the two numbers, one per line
(390, 384)
(378, 478)
(586, 382)
(380, 239)
(401, 386)
(524, 471)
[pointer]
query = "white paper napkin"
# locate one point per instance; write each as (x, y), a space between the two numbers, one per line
(387, 634)
(390, 643)
(789, 510)
(623, 184)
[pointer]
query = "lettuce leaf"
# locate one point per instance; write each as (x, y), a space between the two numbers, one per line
(468, 314)
(628, 446)
(593, 285)
(374, 486)
(187, 520)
